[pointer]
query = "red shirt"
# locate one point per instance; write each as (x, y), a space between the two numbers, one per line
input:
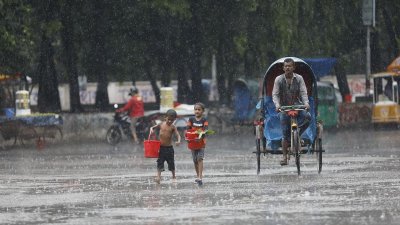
(134, 106)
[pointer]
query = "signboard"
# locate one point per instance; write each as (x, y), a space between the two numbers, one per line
(368, 12)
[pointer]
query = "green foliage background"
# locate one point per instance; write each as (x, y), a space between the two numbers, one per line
(163, 40)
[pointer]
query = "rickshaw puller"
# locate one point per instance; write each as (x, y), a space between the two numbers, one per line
(290, 89)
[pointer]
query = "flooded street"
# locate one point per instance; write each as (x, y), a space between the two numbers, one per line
(94, 183)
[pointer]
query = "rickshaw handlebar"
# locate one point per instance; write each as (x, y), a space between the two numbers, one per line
(292, 107)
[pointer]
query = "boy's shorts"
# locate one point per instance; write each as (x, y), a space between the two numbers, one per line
(197, 155)
(166, 154)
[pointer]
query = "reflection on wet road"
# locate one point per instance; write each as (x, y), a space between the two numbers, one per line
(93, 183)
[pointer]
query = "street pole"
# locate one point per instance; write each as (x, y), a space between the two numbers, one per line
(368, 63)
(368, 17)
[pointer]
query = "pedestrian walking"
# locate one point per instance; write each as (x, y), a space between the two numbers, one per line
(167, 130)
(196, 124)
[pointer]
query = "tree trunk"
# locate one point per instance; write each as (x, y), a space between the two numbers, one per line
(153, 81)
(100, 68)
(221, 76)
(195, 49)
(250, 53)
(184, 93)
(48, 95)
(67, 35)
(394, 48)
(342, 80)
(376, 60)
(165, 72)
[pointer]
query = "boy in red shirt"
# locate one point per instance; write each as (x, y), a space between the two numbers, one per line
(198, 122)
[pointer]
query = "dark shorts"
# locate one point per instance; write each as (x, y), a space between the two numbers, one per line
(166, 154)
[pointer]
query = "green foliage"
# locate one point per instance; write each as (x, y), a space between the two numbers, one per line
(246, 36)
(16, 36)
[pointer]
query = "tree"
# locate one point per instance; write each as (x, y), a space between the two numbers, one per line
(195, 50)
(48, 95)
(165, 40)
(98, 52)
(67, 35)
(17, 51)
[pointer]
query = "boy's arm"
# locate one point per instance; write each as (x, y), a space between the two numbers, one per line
(205, 128)
(153, 127)
(205, 125)
(189, 124)
(177, 135)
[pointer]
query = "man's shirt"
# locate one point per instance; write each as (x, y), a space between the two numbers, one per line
(284, 94)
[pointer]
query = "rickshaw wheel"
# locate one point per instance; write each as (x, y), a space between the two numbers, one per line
(296, 147)
(258, 154)
(52, 134)
(28, 136)
(318, 148)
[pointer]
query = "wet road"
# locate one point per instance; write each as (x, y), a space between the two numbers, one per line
(93, 183)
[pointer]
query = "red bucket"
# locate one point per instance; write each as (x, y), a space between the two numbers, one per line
(151, 148)
(194, 144)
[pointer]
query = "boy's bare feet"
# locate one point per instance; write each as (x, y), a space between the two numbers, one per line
(157, 180)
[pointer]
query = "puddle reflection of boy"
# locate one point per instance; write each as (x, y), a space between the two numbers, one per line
(167, 129)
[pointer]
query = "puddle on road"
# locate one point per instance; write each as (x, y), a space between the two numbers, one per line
(103, 187)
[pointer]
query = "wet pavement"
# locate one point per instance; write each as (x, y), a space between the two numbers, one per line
(94, 183)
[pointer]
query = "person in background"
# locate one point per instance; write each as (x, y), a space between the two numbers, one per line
(167, 130)
(135, 107)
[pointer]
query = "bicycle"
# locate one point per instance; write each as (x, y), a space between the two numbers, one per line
(295, 140)
(295, 143)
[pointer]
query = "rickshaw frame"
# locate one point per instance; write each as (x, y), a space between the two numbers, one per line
(263, 124)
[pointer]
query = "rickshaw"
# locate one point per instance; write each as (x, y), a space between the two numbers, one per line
(268, 130)
(242, 110)
(328, 104)
(386, 104)
(245, 94)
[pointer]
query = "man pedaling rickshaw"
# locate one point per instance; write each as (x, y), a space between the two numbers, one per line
(290, 89)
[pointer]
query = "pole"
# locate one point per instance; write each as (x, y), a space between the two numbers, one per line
(213, 86)
(368, 63)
